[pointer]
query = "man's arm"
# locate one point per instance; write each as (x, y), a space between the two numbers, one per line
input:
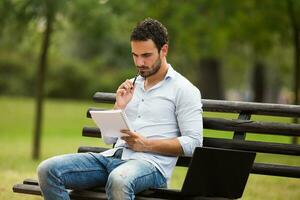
(137, 142)
(189, 117)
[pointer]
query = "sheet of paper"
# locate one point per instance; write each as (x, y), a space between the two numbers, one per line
(110, 122)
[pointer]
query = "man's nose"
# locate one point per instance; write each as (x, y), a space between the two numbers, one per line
(140, 61)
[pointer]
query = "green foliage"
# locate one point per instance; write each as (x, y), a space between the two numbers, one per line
(15, 77)
(234, 32)
(69, 80)
(66, 78)
(80, 80)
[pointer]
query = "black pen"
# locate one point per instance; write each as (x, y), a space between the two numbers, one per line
(135, 79)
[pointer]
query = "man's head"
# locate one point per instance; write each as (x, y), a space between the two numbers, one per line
(149, 44)
(153, 30)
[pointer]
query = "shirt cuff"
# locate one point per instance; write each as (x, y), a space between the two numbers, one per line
(189, 144)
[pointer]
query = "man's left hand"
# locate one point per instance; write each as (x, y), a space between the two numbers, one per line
(134, 140)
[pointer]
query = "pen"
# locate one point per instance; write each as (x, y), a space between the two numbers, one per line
(135, 78)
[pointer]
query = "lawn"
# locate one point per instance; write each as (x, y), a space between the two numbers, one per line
(63, 121)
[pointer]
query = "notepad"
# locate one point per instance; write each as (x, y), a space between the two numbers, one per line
(110, 122)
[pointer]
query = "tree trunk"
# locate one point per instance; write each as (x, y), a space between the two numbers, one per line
(42, 68)
(210, 83)
(296, 40)
(258, 81)
(273, 85)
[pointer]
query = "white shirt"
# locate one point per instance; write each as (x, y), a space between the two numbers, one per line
(172, 108)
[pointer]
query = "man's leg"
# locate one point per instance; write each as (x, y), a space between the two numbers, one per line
(132, 177)
(74, 171)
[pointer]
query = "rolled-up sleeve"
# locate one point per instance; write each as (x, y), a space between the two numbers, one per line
(189, 117)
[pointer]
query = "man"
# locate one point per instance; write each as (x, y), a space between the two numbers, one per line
(165, 111)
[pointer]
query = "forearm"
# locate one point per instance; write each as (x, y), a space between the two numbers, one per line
(170, 147)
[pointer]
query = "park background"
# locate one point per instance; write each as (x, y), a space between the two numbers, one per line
(55, 54)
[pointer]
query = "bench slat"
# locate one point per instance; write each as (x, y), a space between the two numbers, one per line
(276, 170)
(248, 126)
(258, 168)
(85, 149)
(282, 110)
(29, 181)
(91, 132)
(27, 189)
(263, 147)
(96, 195)
(31, 187)
(227, 106)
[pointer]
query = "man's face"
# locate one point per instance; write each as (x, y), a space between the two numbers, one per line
(146, 57)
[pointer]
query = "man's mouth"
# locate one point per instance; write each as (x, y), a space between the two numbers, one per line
(143, 68)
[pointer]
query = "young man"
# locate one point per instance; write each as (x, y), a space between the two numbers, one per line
(165, 111)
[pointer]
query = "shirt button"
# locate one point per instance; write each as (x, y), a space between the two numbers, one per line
(142, 100)
(139, 116)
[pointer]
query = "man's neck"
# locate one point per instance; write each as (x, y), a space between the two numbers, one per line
(156, 78)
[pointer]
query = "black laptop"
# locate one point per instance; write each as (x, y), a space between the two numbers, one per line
(216, 172)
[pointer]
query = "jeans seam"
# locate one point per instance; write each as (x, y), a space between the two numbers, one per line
(74, 171)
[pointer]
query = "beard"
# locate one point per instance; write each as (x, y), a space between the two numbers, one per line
(153, 70)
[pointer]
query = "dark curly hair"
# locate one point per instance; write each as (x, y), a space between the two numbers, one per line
(150, 29)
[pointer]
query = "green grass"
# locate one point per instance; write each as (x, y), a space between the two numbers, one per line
(63, 121)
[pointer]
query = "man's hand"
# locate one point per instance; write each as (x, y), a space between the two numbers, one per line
(124, 94)
(135, 141)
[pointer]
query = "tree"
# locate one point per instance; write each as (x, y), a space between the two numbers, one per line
(42, 12)
(49, 14)
(293, 8)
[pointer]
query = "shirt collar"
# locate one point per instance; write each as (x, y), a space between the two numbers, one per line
(170, 73)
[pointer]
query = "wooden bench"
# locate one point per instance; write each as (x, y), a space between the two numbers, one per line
(236, 129)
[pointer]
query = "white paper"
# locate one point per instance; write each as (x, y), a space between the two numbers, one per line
(110, 122)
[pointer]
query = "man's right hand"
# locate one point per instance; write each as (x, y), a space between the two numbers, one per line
(124, 94)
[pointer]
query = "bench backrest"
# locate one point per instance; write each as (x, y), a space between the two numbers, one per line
(236, 131)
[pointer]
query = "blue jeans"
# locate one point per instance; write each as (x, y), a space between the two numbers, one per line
(122, 179)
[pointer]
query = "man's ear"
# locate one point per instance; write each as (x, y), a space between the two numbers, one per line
(164, 50)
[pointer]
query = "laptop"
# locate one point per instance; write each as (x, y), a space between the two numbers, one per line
(215, 172)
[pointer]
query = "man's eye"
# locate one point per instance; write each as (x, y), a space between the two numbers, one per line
(146, 55)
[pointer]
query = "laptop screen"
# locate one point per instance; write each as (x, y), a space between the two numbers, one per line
(216, 172)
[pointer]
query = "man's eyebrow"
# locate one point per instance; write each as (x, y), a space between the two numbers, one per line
(143, 54)
(147, 54)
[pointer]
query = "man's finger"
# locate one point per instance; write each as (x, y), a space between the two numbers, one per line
(127, 85)
(126, 138)
(122, 92)
(128, 132)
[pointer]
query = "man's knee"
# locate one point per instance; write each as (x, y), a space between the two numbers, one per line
(119, 186)
(48, 169)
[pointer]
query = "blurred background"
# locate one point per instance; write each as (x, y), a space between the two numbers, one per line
(55, 54)
(241, 50)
